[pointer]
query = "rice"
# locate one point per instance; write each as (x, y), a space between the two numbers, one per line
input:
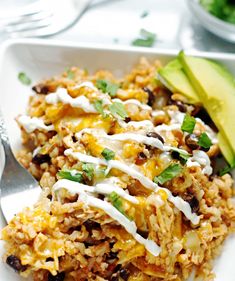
(64, 238)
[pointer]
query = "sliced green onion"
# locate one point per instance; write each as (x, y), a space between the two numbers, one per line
(108, 154)
(88, 169)
(71, 175)
(116, 201)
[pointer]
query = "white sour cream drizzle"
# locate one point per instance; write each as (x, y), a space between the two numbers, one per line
(134, 173)
(61, 95)
(31, 124)
(130, 136)
(102, 188)
(130, 226)
(200, 158)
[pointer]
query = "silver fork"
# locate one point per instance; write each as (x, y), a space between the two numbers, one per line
(18, 188)
(43, 18)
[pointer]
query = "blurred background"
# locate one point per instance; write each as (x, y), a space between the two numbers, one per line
(167, 24)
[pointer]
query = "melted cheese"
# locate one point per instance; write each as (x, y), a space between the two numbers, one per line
(108, 208)
(132, 171)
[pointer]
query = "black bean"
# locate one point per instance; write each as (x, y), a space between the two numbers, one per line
(193, 202)
(192, 141)
(112, 255)
(74, 139)
(143, 233)
(15, 263)
(127, 119)
(41, 89)
(90, 224)
(181, 106)
(141, 158)
(151, 97)
(124, 273)
(58, 277)
(41, 158)
(114, 278)
(155, 135)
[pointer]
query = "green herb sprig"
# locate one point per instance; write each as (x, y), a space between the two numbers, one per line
(188, 124)
(107, 87)
(118, 108)
(147, 39)
(169, 173)
(24, 79)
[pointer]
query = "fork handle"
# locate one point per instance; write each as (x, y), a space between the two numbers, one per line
(4, 138)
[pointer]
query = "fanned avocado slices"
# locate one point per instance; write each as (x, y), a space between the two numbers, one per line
(175, 79)
(206, 82)
(215, 87)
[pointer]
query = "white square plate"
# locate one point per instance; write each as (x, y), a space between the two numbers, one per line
(41, 59)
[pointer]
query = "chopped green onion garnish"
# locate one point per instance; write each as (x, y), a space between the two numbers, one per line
(118, 108)
(147, 40)
(108, 154)
(116, 202)
(88, 169)
(204, 141)
(98, 104)
(188, 124)
(107, 87)
(169, 173)
(71, 175)
(24, 79)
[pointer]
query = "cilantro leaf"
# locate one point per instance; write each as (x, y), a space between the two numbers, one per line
(147, 39)
(98, 104)
(116, 202)
(24, 79)
(71, 175)
(226, 170)
(188, 124)
(88, 169)
(108, 154)
(169, 173)
(118, 108)
(144, 14)
(70, 74)
(204, 141)
(107, 87)
(177, 153)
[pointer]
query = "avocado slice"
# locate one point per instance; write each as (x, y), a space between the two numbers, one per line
(226, 149)
(173, 77)
(215, 87)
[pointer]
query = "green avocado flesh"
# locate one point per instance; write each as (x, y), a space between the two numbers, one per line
(216, 89)
(226, 149)
(206, 82)
(174, 78)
